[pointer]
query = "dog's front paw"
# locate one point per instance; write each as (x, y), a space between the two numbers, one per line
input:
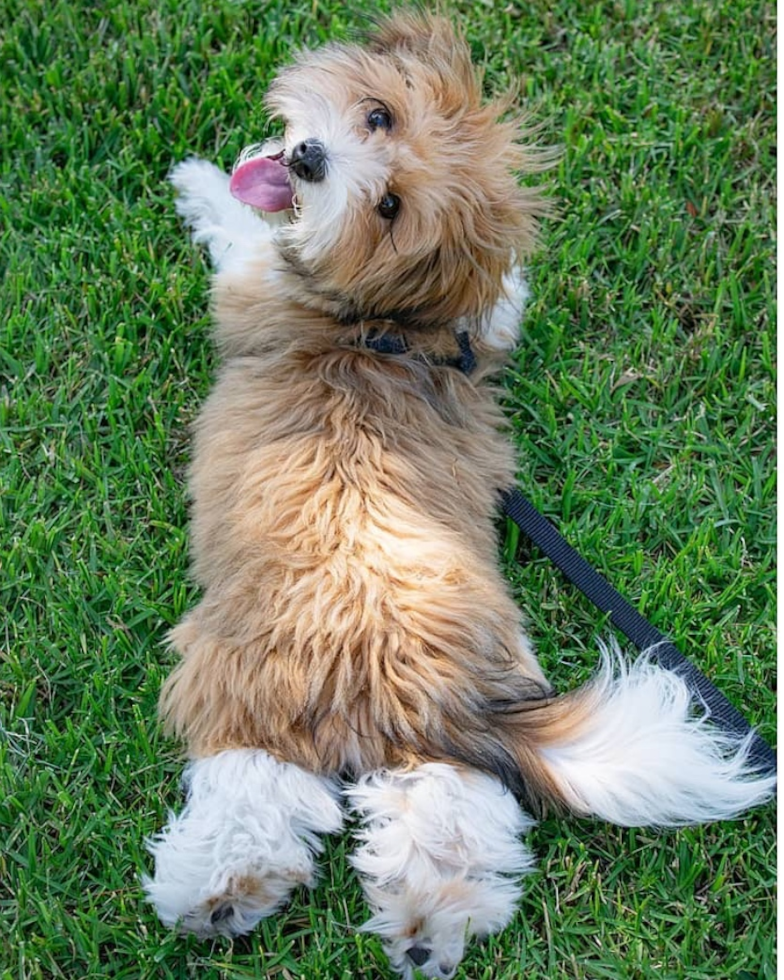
(500, 329)
(204, 203)
(231, 231)
(203, 192)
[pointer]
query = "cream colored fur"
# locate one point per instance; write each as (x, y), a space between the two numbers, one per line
(353, 617)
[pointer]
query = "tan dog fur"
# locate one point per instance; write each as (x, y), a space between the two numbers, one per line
(354, 615)
(354, 622)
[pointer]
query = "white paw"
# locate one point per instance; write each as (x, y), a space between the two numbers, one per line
(231, 231)
(500, 327)
(246, 838)
(440, 858)
(203, 192)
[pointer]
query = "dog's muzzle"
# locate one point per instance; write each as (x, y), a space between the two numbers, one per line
(308, 160)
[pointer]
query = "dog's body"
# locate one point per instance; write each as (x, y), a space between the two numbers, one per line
(330, 486)
(354, 622)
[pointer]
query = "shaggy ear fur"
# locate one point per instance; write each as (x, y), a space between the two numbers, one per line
(498, 220)
(430, 39)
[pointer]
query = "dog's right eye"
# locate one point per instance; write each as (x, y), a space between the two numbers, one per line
(388, 206)
(379, 119)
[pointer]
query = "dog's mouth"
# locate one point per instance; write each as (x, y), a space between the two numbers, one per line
(263, 182)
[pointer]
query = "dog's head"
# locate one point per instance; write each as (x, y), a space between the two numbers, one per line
(402, 182)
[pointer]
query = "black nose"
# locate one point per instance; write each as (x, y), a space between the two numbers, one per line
(418, 955)
(308, 160)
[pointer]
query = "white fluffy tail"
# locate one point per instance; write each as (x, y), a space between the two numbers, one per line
(641, 756)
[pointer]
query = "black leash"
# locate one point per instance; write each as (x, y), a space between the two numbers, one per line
(622, 614)
(626, 618)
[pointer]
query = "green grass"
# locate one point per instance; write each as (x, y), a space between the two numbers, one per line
(642, 400)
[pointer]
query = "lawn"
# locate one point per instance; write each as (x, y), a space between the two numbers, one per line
(642, 401)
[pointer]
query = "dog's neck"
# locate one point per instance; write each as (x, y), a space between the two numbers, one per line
(396, 344)
(413, 332)
(315, 288)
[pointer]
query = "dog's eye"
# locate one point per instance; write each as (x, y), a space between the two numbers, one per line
(388, 206)
(379, 119)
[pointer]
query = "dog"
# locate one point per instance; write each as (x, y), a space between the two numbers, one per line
(356, 647)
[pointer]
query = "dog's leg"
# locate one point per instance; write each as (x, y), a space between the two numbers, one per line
(232, 231)
(499, 328)
(440, 859)
(246, 838)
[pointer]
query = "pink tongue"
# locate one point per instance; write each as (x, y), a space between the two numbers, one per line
(263, 183)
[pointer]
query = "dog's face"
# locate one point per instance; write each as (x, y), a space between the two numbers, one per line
(402, 183)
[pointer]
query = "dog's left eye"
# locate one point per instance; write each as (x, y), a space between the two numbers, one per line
(379, 119)
(388, 206)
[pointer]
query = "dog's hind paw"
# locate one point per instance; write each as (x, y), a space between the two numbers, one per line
(247, 837)
(440, 860)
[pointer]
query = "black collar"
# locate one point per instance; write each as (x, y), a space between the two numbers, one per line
(385, 343)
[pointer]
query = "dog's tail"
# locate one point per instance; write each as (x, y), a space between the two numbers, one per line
(631, 748)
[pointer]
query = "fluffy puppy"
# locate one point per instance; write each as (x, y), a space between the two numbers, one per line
(354, 622)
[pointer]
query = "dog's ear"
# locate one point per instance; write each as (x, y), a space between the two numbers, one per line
(409, 30)
(417, 35)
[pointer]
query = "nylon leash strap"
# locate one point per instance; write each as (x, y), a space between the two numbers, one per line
(633, 625)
